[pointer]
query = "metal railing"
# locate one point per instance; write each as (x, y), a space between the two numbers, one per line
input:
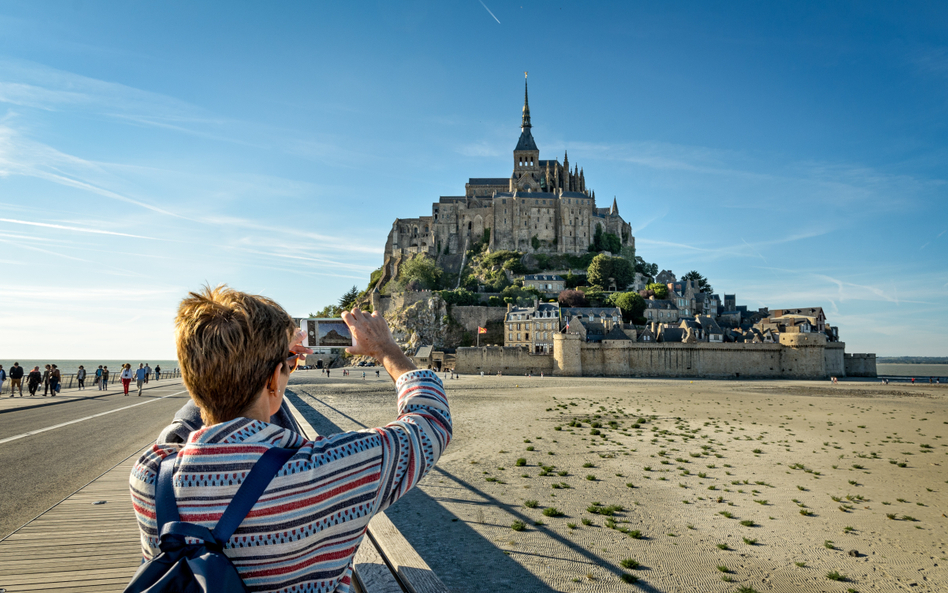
(114, 378)
(70, 381)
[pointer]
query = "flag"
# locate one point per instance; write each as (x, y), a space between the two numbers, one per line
(481, 330)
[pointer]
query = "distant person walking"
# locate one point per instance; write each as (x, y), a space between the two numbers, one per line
(98, 377)
(3, 377)
(157, 372)
(46, 372)
(33, 380)
(105, 377)
(147, 373)
(81, 377)
(16, 378)
(55, 377)
(141, 377)
(126, 376)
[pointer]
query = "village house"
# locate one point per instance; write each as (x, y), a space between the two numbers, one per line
(532, 327)
(661, 311)
(816, 313)
(548, 284)
(609, 317)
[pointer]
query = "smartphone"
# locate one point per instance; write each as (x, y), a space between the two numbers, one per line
(327, 333)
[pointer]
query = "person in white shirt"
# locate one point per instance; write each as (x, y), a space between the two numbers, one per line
(126, 376)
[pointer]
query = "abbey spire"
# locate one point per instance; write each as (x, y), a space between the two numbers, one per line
(526, 154)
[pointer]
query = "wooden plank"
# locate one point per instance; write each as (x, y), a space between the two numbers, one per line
(372, 575)
(412, 571)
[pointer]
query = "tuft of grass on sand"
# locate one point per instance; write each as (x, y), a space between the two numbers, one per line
(835, 575)
(628, 578)
(630, 563)
(518, 525)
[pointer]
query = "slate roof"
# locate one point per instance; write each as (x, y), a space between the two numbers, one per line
(617, 334)
(660, 304)
(672, 334)
(526, 141)
(543, 278)
(588, 311)
(424, 352)
(530, 312)
(488, 181)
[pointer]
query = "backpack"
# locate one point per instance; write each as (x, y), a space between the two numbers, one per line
(200, 567)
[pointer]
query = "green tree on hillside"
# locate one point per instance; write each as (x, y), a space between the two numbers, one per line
(604, 267)
(347, 300)
(703, 284)
(659, 290)
(646, 269)
(422, 271)
(631, 304)
(603, 241)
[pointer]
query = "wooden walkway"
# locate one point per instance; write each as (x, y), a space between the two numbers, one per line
(77, 545)
(85, 545)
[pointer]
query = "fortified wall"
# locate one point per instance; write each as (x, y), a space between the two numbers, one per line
(860, 365)
(797, 356)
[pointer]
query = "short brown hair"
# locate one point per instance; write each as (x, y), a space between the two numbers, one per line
(229, 342)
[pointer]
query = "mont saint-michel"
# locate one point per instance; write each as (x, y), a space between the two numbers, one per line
(542, 207)
(530, 269)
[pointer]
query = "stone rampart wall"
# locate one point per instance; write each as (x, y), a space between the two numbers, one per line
(800, 357)
(494, 359)
(834, 354)
(860, 365)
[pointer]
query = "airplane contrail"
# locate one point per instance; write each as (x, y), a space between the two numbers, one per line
(71, 228)
(488, 10)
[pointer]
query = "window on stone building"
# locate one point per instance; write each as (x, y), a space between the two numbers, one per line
(526, 337)
(510, 336)
(518, 337)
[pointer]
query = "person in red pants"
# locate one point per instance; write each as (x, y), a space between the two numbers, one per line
(126, 376)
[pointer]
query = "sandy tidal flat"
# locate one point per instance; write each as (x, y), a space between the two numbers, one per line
(592, 484)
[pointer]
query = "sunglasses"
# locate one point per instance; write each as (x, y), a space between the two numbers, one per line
(293, 361)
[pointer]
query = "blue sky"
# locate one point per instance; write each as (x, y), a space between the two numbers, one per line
(793, 153)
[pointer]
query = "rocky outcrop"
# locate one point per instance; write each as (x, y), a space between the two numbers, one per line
(424, 322)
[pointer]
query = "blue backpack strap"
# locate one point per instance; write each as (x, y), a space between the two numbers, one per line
(252, 488)
(166, 508)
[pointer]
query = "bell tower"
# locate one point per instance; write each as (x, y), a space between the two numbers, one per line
(526, 154)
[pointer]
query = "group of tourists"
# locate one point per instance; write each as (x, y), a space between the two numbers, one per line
(140, 375)
(51, 378)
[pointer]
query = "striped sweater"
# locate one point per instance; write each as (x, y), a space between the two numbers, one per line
(305, 529)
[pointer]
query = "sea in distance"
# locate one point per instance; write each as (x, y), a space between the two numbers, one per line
(918, 371)
(69, 367)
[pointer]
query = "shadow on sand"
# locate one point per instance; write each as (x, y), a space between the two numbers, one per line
(461, 557)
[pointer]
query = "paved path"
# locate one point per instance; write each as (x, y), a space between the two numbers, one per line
(59, 444)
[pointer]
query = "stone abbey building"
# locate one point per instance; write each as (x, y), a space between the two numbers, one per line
(543, 207)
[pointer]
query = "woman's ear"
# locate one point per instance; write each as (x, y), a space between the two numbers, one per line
(274, 392)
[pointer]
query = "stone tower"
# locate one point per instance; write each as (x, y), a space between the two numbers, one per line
(526, 154)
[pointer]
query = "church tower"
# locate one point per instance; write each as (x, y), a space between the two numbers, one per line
(526, 154)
